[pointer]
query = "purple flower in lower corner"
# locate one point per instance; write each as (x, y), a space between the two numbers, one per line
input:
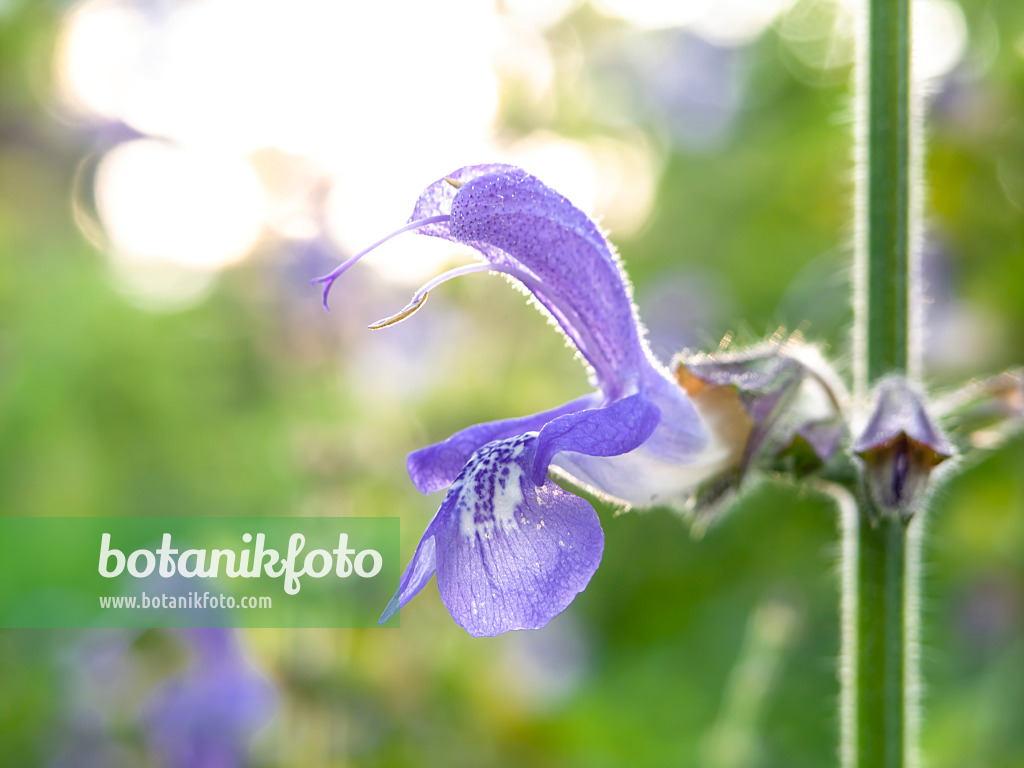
(205, 716)
(509, 547)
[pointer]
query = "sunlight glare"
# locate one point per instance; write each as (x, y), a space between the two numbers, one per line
(655, 14)
(313, 78)
(738, 22)
(539, 13)
(159, 202)
(940, 37)
(331, 85)
(98, 42)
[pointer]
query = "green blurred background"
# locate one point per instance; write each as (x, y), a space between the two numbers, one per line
(172, 174)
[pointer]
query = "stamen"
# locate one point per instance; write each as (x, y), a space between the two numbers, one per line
(328, 279)
(565, 315)
(568, 319)
(454, 182)
(444, 277)
(410, 308)
(420, 296)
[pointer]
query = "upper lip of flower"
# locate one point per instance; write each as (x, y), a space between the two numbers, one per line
(531, 233)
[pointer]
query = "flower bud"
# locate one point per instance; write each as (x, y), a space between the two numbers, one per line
(900, 446)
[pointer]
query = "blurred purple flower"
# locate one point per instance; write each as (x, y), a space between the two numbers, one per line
(510, 548)
(98, 671)
(205, 716)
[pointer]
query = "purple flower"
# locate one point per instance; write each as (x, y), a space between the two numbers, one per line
(204, 717)
(510, 548)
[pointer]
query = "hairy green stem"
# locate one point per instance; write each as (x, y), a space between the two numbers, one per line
(881, 563)
(879, 673)
(886, 209)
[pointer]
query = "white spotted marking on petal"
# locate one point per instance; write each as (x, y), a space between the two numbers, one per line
(490, 491)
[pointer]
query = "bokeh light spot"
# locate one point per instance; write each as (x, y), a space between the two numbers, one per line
(160, 202)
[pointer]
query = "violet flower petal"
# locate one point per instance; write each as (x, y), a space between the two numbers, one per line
(419, 571)
(436, 466)
(610, 431)
(436, 199)
(508, 554)
(512, 555)
(543, 232)
(666, 468)
(518, 222)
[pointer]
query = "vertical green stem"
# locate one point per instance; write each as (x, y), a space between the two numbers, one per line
(879, 668)
(881, 562)
(884, 311)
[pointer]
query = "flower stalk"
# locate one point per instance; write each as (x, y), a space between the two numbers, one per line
(879, 676)
(886, 209)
